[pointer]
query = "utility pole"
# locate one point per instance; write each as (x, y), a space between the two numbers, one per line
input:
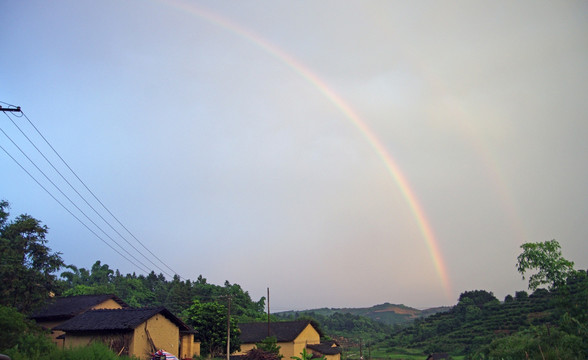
(17, 109)
(229, 329)
(268, 314)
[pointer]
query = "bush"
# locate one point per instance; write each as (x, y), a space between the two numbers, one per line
(13, 326)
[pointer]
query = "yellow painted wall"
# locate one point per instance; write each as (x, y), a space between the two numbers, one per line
(108, 304)
(308, 336)
(188, 347)
(288, 349)
(196, 348)
(72, 341)
(164, 333)
(333, 357)
(245, 348)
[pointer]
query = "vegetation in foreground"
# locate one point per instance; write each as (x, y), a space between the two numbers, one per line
(550, 323)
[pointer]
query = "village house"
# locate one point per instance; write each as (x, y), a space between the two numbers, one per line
(61, 309)
(291, 336)
(133, 332)
(119, 330)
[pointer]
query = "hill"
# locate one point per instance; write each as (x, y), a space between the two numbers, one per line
(389, 314)
(480, 323)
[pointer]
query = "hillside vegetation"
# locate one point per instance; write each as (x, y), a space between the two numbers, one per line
(389, 314)
(550, 323)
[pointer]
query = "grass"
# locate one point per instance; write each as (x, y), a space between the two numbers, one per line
(388, 354)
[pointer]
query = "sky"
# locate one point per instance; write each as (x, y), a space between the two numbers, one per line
(341, 154)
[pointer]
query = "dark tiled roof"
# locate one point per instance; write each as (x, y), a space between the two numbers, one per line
(68, 307)
(326, 348)
(283, 331)
(116, 319)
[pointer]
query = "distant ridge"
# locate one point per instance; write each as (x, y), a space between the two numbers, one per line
(386, 313)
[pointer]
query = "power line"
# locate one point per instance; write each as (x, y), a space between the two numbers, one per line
(67, 197)
(77, 192)
(15, 109)
(66, 209)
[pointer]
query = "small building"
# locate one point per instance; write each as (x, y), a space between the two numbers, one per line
(329, 349)
(60, 309)
(291, 336)
(132, 332)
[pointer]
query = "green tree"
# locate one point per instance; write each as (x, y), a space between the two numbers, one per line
(270, 345)
(210, 322)
(304, 355)
(544, 257)
(571, 289)
(27, 265)
(13, 327)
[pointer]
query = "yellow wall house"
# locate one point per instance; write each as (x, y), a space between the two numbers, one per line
(291, 336)
(60, 309)
(133, 332)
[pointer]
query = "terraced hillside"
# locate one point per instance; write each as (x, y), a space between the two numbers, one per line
(389, 314)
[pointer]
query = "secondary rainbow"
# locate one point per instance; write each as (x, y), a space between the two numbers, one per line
(401, 181)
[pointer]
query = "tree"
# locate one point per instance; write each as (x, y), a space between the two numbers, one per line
(210, 322)
(13, 326)
(478, 297)
(260, 354)
(27, 265)
(545, 257)
(270, 345)
(571, 289)
(304, 355)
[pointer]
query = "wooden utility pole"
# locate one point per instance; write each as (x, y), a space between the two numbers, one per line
(268, 314)
(229, 328)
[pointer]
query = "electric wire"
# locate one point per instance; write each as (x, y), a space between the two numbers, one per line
(76, 191)
(96, 198)
(71, 213)
(142, 267)
(67, 197)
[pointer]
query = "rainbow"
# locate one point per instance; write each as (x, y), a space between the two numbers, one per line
(391, 166)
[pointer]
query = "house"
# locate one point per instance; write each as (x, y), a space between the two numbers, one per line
(329, 349)
(61, 309)
(133, 332)
(291, 336)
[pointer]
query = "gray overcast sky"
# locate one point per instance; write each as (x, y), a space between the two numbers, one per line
(221, 134)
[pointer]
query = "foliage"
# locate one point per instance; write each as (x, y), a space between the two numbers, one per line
(550, 323)
(210, 322)
(478, 297)
(389, 314)
(304, 355)
(156, 290)
(545, 257)
(27, 265)
(21, 338)
(535, 343)
(270, 345)
(13, 326)
(343, 324)
(31, 351)
(260, 354)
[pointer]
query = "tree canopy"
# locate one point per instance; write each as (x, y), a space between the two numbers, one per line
(27, 266)
(210, 322)
(545, 258)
